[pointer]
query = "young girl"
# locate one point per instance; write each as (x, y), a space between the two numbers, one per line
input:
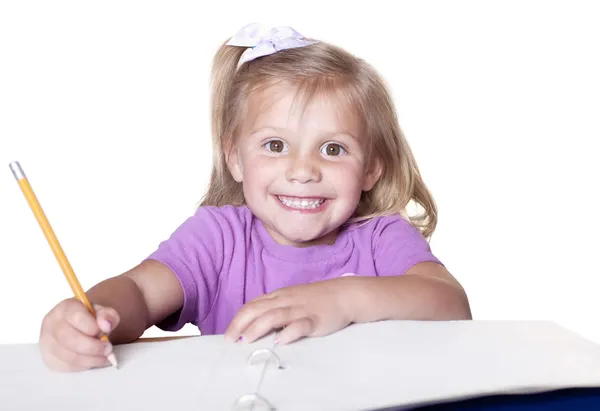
(304, 226)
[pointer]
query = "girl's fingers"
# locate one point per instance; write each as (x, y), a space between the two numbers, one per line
(77, 315)
(276, 318)
(63, 359)
(73, 340)
(302, 327)
(247, 315)
(106, 318)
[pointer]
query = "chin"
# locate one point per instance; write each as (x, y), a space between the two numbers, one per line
(302, 239)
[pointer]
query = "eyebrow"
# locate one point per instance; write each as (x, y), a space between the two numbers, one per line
(329, 134)
(266, 128)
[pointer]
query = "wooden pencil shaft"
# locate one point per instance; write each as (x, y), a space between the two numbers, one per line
(60, 255)
(54, 243)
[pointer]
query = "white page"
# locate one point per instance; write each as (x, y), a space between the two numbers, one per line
(191, 373)
(362, 367)
(386, 364)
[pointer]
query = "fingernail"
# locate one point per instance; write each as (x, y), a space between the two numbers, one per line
(241, 339)
(105, 326)
(276, 341)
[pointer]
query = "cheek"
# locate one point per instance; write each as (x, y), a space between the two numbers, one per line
(346, 177)
(258, 174)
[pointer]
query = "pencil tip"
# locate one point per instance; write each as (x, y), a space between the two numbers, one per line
(113, 360)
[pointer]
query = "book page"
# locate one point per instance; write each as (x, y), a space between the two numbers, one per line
(363, 367)
(411, 363)
(190, 373)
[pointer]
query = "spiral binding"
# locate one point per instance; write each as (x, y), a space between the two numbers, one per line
(260, 351)
(255, 399)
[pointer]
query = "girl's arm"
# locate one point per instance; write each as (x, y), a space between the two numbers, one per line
(427, 291)
(142, 296)
(424, 292)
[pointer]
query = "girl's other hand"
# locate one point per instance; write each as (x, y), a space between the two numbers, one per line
(308, 310)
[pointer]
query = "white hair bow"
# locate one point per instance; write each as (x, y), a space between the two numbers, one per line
(262, 40)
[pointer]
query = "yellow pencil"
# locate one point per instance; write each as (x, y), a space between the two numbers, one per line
(54, 244)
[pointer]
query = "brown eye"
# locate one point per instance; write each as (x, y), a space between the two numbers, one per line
(275, 146)
(333, 149)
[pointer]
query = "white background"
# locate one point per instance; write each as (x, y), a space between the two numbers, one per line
(105, 105)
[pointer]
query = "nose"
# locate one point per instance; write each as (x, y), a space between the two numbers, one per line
(303, 169)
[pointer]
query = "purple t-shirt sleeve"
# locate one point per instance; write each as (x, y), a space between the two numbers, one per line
(194, 252)
(398, 245)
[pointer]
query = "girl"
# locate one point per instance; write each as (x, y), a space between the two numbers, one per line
(304, 225)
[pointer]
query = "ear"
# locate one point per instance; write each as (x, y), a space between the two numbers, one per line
(372, 175)
(234, 164)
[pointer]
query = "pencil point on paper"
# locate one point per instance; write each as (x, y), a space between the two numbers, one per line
(16, 169)
(113, 360)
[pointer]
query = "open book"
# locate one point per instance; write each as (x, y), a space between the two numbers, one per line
(363, 367)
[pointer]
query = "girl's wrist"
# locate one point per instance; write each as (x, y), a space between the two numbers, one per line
(354, 299)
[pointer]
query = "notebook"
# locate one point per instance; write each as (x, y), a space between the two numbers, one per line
(371, 366)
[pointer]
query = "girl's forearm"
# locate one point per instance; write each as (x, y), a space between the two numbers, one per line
(407, 297)
(122, 294)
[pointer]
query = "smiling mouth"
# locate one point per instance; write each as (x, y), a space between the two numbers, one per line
(300, 203)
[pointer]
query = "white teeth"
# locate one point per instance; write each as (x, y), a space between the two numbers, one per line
(301, 203)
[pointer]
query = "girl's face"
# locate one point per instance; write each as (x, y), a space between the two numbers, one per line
(302, 172)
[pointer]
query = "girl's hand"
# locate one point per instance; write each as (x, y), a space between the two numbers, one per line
(309, 310)
(69, 338)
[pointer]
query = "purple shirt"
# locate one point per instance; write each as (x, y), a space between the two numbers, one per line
(224, 257)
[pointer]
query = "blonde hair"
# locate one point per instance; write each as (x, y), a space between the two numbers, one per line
(317, 69)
